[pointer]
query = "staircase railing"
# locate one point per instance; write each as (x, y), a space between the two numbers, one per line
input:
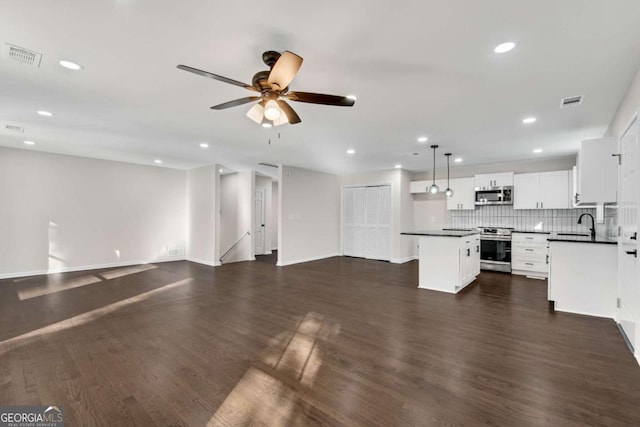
(248, 233)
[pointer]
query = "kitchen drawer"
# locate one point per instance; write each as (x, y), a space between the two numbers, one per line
(529, 238)
(529, 258)
(530, 265)
(530, 250)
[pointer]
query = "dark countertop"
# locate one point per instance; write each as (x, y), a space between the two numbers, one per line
(531, 231)
(554, 237)
(442, 233)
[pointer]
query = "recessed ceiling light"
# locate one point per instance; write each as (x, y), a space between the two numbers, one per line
(70, 65)
(423, 139)
(158, 161)
(529, 120)
(266, 125)
(351, 151)
(30, 143)
(220, 171)
(398, 166)
(537, 150)
(352, 97)
(458, 159)
(45, 113)
(204, 145)
(504, 47)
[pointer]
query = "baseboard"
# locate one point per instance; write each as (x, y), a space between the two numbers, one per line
(584, 313)
(403, 260)
(204, 262)
(88, 267)
(268, 252)
(309, 259)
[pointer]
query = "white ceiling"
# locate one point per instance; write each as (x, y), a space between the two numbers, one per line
(423, 67)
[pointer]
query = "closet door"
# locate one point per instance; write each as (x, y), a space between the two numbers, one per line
(373, 213)
(359, 222)
(384, 223)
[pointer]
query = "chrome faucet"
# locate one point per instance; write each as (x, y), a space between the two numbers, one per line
(593, 224)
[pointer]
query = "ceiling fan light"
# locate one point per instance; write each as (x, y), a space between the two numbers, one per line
(256, 113)
(283, 119)
(272, 110)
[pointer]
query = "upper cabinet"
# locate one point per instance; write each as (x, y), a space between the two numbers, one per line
(416, 187)
(596, 177)
(544, 190)
(464, 194)
(489, 180)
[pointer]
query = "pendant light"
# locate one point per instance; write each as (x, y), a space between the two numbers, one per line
(448, 192)
(434, 188)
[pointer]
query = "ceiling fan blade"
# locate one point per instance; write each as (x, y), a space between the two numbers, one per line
(235, 103)
(216, 77)
(284, 70)
(320, 98)
(292, 116)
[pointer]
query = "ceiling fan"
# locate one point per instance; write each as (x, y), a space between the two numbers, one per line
(273, 86)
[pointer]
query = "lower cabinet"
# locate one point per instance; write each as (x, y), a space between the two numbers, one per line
(530, 254)
(448, 264)
(583, 278)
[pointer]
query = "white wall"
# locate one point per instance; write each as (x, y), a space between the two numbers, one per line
(309, 215)
(265, 182)
(62, 213)
(202, 242)
(629, 105)
(273, 224)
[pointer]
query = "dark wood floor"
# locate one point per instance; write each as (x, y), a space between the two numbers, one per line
(338, 342)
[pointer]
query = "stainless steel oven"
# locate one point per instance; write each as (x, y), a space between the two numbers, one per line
(495, 249)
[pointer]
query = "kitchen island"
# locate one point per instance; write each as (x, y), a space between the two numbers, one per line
(448, 260)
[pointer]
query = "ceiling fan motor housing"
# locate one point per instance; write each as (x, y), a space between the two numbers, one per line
(270, 58)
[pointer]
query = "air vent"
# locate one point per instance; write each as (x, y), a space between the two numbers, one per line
(572, 101)
(14, 128)
(271, 165)
(22, 55)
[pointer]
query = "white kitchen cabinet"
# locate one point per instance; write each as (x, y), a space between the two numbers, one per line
(494, 180)
(448, 263)
(464, 194)
(529, 254)
(416, 187)
(583, 277)
(597, 172)
(544, 190)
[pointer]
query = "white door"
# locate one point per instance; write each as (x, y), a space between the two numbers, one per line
(259, 217)
(366, 222)
(554, 190)
(526, 189)
(384, 223)
(373, 213)
(628, 272)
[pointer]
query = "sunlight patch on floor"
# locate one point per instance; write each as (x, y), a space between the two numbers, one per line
(270, 392)
(87, 317)
(47, 289)
(121, 272)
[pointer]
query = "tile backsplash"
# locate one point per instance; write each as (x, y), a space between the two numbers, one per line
(561, 220)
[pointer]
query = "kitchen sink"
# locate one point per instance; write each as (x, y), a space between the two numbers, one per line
(573, 234)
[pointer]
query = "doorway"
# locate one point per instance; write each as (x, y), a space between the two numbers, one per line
(260, 229)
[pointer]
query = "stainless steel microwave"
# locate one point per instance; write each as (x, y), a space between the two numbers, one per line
(494, 196)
